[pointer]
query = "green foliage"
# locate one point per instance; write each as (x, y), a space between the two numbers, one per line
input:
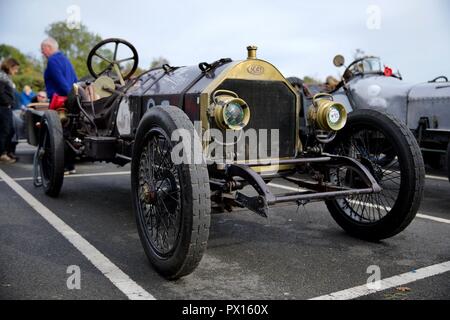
(30, 68)
(159, 62)
(138, 72)
(311, 80)
(75, 44)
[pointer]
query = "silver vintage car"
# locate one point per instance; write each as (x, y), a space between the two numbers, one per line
(425, 107)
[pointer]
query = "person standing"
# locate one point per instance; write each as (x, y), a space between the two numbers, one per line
(9, 68)
(21, 101)
(59, 77)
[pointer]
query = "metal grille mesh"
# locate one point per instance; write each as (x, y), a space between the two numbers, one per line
(273, 106)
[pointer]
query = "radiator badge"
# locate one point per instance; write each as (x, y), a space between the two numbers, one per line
(255, 69)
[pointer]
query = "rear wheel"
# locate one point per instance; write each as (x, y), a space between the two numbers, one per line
(171, 199)
(49, 157)
(389, 150)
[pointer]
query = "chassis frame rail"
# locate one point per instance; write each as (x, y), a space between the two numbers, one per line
(312, 191)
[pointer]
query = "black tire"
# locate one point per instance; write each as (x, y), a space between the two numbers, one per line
(408, 169)
(189, 201)
(51, 160)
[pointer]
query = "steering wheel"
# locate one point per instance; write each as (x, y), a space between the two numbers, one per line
(348, 73)
(113, 65)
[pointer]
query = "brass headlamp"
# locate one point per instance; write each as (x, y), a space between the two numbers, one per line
(327, 114)
(229, 111)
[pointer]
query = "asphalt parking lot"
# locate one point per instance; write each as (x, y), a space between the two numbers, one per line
(298, 253)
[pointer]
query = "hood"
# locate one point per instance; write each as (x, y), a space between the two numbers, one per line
(386, 93)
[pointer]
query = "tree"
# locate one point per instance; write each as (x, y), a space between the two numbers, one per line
(30, 68)
(311, 80)
(75, 44)
(159, 62)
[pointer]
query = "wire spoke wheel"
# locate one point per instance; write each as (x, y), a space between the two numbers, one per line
(390, 152)
(160, 194)
(171, 198)
(373, 149)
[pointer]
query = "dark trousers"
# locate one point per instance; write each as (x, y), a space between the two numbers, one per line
(6, 130)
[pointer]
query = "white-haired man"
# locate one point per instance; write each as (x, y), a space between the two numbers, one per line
(59, 78)
(60, 75)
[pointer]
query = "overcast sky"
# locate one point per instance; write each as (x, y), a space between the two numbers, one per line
(299, 37)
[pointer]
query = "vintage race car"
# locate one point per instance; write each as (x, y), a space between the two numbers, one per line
(212, 136)
(424, 108)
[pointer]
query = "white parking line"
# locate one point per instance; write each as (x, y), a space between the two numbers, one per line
(432, 177)
(388, 283)
(122, 281)
(274, 185)
(281, 186)
(436, 178)
(100, 174)
(436, 219)
(127, 172)
(419, 215)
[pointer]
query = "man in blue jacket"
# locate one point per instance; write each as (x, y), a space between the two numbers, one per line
(60, 75)
(59, 79)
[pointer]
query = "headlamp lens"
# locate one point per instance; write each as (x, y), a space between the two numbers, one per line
(234, 114)
(334, 115)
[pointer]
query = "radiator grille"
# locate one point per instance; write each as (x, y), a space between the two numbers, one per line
(273, 106)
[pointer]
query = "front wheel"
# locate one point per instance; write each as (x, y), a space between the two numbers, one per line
(389, 150)
(171, 198)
